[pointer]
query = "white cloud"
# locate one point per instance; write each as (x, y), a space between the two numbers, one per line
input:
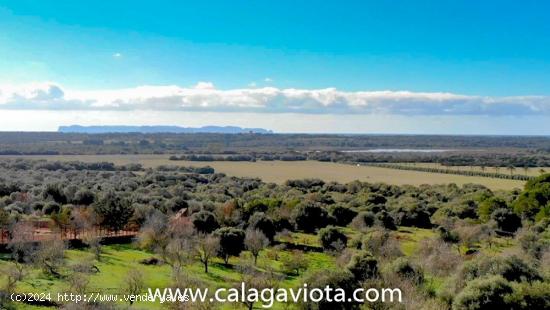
(204, 85)
(268, 80)
(205, 97)
(117, 55)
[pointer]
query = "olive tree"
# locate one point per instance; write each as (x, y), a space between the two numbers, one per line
(255, 242)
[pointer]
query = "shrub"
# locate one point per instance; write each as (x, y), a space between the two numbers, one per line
(437, 257)
(412, 215)
(386, 220)
(488, 206)
(407, 270)
(534, 198)
(506, 220)
(115, 211)
(84, 197)
(531, 243)
(363, 266)
(263, 223)
(294, 262)
(176, 204)
(513, 268)
(332, 238)
(309, 216)
(205, 222)
(484, 293)
(363, 220)
(342, 215)
(530, 296)
(51, 207)
(260, 205)
(448, 236)
(231, 242)
(55, 191)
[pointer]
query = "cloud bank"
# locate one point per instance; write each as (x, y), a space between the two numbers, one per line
(205, 97)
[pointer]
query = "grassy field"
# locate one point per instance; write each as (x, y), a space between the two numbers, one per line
(119, 259)
(280, 171)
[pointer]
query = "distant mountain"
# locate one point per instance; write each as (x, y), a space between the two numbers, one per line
(159, 129)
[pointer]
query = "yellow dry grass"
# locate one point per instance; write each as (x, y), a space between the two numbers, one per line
(280, 171)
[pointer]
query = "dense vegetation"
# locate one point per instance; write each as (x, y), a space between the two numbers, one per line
(490, 151)
(446, 247)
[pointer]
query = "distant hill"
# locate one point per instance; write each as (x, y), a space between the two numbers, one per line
(159, 129)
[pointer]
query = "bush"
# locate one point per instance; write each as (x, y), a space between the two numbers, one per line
(531, 243)
(84, 197)
(363, 266)
(386, 220)
(407, 270)
(363, 220)
(294, 262)
(506, 220)
(448, 236)
(260, 205)
(484, 293)
(115, 211)
(342, 215)
(530, 296)
(488, 206)
(309, 216)
(534, 198)
(55, 191)
(231, 242)
(413, 215)
(176, 204)
(332, 239)
(51, 207)
(205, 222)
(263, 223)
(513, 268)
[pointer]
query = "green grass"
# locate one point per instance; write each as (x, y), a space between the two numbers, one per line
(117, 260)
(299, 238)
(410, 237)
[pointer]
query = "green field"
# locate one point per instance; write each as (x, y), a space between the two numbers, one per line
(280, 171)
(117, 260)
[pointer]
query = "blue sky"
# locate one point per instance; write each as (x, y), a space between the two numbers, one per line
(284, 60)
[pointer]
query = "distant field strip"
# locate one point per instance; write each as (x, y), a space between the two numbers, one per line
(448, 170)
(280, 171)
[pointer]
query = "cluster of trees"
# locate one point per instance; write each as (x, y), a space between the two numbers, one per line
(198, 215)
(489, 151)
(505, 163)
(512, 175)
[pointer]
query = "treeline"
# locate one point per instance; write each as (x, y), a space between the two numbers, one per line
(74, 143)
(487, 151)
(511, 176)
(482, 159)
(39, 165)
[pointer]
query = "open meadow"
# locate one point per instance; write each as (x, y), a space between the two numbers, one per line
(280, 171)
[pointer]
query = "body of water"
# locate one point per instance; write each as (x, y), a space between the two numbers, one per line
(398, 151)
